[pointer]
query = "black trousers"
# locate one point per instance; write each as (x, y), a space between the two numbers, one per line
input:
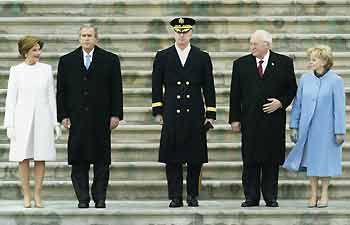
(80, 180)
(260, 177)
(174, 177)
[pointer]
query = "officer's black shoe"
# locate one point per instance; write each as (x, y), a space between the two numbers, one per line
(192, 201)
(100, 204)
(175, 203)
(248, 203)
(83, 205)
(273, 203)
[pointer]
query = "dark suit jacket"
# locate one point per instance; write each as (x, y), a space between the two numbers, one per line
(183, 137)
(263, 135)
(89, 98)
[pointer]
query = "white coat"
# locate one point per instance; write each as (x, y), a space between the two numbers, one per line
(31, 112)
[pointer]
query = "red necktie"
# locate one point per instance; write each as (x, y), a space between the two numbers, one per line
(260, 68)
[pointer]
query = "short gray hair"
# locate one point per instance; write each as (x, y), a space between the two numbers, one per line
(266, 36)
(89, 25)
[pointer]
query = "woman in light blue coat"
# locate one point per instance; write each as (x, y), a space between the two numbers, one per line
(318, 124)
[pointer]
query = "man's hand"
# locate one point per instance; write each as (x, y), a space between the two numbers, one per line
(66, 123)
(114, 122)
(272, 106)
(236, 127)
(210, 120)
(159, 119)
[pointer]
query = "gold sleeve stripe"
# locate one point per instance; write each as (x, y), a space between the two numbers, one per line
(157, 104)
(213, 109)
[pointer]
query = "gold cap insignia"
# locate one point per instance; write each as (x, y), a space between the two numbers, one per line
(181, 21)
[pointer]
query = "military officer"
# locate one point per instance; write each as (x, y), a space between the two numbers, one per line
(182, 75)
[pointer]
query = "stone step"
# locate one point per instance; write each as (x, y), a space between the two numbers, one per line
(147, 212)
(138, 171)
(144, 60)
(141, 115)
(125, 8)
(139, 98)
(212, 42)
(158, 25)
(143, 78)
(148, 152)
(157, 189)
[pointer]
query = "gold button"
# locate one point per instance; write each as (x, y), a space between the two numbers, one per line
(179, 83)
(178, 97)
(187, 110)
(178, 111)
(187, 82)
(187, 96)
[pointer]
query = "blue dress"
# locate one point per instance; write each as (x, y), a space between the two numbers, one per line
(318, 113)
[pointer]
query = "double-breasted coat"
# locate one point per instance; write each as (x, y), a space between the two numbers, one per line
(89, 98)
(319, 114)
(183, 137)
(263, 135)
(31, 112)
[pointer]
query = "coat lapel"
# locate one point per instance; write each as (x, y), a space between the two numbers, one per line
(176, 57)
(270, 64)
(189, 58)
(253, 66)
(80, 55)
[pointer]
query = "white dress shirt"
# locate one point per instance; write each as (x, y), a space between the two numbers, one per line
(91, 54)
(183, 54)
(265, 59)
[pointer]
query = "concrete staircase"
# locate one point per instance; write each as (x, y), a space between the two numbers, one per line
(135, 29)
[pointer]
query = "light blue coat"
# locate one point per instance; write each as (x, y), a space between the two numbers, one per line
(318, 113)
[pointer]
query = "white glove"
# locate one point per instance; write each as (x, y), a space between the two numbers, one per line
(294, 135)
(58, 132)
(339, 139)
(10, 133)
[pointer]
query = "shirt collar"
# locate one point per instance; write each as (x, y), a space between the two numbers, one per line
(91, 53)
(265, 59)
(185, 50)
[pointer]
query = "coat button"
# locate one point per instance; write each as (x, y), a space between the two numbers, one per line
(188, 110)
(179, 83)
(187, 83)
(85, 78)
(178, 111)
(178, 96)
(188, 96)
(86, 108)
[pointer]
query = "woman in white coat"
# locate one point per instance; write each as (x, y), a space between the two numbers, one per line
(30, 116)
(318, 124)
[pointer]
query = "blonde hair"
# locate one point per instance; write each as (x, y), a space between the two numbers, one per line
(28, 42)
(323, 52)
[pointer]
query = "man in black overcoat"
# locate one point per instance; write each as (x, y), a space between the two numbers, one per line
(182, 75)
(90, 105)
(263, 85)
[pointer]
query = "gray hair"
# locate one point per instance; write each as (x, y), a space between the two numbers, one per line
(266, 36)
(88, 25)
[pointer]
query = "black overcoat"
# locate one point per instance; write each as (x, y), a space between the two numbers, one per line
(183, 138)
(263, 135)
(89, 98)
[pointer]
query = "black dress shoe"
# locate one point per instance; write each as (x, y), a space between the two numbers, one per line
(248, 203)
(192, 201)
(175, 203)
(100, 204)
(83, 205)
(272, 204)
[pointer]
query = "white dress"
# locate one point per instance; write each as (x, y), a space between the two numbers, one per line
(31, 112)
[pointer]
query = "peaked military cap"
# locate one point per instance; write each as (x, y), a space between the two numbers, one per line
(182, 24)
